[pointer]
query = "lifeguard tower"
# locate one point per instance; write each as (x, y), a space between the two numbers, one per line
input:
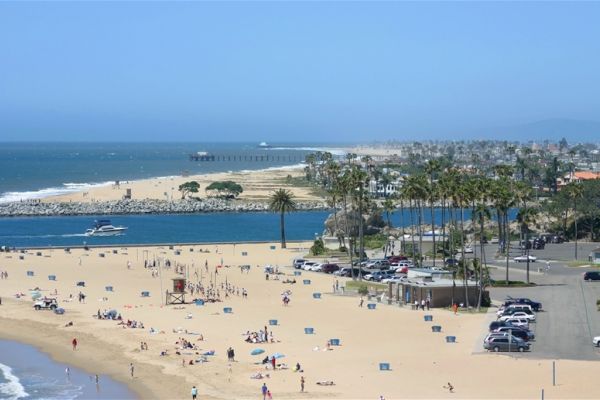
(177, 296)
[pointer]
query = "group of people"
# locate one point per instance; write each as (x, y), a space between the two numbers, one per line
(262, 336)
(143, 346)
(425, 303)
(3, 274)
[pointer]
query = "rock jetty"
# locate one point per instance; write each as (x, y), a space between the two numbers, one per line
(186, 206)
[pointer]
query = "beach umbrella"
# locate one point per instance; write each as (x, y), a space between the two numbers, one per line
(256, 352)
(278, 355)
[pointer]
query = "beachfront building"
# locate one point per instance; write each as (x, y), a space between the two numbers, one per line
(595, 256)
(440, 292)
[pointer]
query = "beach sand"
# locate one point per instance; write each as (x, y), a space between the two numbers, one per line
(421, 361)
(257, 185)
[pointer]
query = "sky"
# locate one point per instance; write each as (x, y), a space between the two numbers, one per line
(293, 71)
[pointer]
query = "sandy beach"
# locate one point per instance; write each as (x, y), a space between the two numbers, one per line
(257, 186)
(421, 361)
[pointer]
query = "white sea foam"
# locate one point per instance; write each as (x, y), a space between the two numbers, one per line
(280, 168)
(12, 387)
(66, 188)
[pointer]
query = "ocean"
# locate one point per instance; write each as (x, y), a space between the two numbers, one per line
(26, 373)
(36, 170)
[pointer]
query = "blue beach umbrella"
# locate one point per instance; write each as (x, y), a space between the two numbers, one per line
(278, 355)
(256, 352)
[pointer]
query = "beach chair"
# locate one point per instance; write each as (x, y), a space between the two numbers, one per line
(115, 251)
(436, 328)
(30, 273)
(199, 302)
(450, 339)
(306, 281)
(244, 253)
(309, 331)
(51, 277)
(145, 294)
(272, 247)
(39, 254)
(297, 273)
(273, 322)
(108, 288)
(334, 342)
(21, 257)
(371, 306)
(59, 311)
(428, 318)
(384, 366)
(316, 295)
(101, 255)
(81, 284)
(228, 310)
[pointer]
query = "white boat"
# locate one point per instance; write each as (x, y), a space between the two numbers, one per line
(264, 145)
(103, 227)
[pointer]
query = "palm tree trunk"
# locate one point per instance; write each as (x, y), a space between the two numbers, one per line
(506, 241)
(444, 227)
(420, 219)
(433, 229)
(412, 231)
(462, 245)
(575, 218)
(480, 294)
(282, 224)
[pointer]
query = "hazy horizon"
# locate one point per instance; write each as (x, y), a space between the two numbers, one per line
(325, 72)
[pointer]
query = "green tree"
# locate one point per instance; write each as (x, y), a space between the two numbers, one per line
(282, 201)
(574, 191)
(188, 187)
(225, 189)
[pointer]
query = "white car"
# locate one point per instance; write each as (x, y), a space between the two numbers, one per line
(524, 259)
(394, 279)
(308, 264)
(468, 250)
(316, 268)
(596, 341)
(518, 314)
(520, 322)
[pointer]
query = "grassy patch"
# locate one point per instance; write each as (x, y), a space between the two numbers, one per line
(503, 283)
(580, 264)
(471, 310)
(375, 241)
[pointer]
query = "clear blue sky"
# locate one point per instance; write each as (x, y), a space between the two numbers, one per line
(292, 71)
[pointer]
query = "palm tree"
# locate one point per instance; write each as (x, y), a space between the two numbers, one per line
(481, 213)
(575, 192)
(431, 168)
(282, 201)
(527, 216)
(389, 207)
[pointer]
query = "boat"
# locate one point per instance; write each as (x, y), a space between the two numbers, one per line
(264, 145)
(103, 227)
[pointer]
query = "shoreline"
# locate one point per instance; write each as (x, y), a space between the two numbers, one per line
(113, 363)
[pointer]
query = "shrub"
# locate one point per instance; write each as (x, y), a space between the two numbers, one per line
(363, 290)
(318, 247)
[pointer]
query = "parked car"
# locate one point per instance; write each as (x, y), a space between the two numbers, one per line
(538, 244)
(506, 343)
(394, 279)
(591, 276)
(347, 272)
(511, 308)
(536, 306)
(527, 314)
(516, 321)
(308, 265)
(451, 261)
(497, 324)
(330, 268)
(524, 258)
(596, 341)
(377, 276)
(298, 262)
(393, 259)
(524, 334)
(377, 264)
(45, 304)
(468, 250)
(315, 268)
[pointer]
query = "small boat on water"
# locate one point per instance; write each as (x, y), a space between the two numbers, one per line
(103, 227)
(264, 145)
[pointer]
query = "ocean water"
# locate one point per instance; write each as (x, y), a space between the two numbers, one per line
(26, 373)
(37, 170)
(155, 228)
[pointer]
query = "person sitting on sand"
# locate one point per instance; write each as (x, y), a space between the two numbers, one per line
(325, 383)
(449, 387)
(70, 323)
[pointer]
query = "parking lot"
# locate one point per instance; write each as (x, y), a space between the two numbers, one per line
(564, 330)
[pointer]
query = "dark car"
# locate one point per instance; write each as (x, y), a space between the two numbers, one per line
(536, 306)
(347, 272)
(329, 268)
(497, 324)
(451, 261)
(591, 276)
(558, 239)
(521, 333)
(506, 344)
(511, 311)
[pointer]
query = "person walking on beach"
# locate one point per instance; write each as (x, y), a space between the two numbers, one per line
(74, 343)
(302, 384)
(131, 368)
(264, 390)
(361, 302)
(194, 392)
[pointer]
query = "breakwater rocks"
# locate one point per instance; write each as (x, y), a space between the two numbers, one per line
(143, 207)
